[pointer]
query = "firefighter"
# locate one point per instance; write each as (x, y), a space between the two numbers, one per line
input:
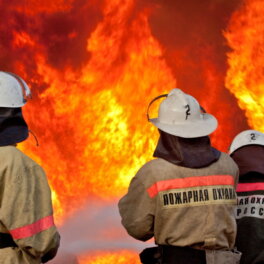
(27, 231)
(247, 150)
(185, 198)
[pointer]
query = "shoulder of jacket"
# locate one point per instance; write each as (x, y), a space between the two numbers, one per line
(12, 154)
(153, 167)
(228, 163)
(226, 157)
(154, 164)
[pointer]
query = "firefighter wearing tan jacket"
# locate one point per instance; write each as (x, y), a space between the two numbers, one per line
(27, 231)
(185, 198)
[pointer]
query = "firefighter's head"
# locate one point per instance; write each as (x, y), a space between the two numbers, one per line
(13, 94)
(246, 138)
(181, 115)
(247, 150)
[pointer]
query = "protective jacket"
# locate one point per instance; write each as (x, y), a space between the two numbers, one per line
(183, 206)
(250, 209)
(25, 210)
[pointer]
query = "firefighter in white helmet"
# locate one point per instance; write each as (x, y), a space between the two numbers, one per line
(185, 198)
(27, 231)
(247, 150)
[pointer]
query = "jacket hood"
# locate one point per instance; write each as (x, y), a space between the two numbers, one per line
(249, 159)
(13, 128)
(186, 152)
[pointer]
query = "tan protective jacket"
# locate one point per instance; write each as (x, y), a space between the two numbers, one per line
(25, 209)
(182, 206)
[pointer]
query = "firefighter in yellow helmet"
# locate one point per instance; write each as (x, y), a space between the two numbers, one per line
(185, 198)
(247, 150)
(27, 231)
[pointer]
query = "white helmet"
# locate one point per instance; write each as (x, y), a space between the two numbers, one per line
(181, 115)
(13, 90)
(247, 137)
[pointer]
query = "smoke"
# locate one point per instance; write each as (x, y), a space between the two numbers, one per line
(65, 259)
(59, 31)
(65, 34)
(96, 227)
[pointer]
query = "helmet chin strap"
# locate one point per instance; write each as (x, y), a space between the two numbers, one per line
(165, 95)
(36, 139)
(152, 101)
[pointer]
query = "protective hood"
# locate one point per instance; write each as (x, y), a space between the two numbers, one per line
(249, 159)
(186, 152)
(13, 128)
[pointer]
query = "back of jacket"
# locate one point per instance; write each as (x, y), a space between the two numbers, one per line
(182, 206)
(250, 218)
(25, 210)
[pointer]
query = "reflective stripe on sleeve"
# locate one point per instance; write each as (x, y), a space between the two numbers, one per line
(32, 229)
(195, 181)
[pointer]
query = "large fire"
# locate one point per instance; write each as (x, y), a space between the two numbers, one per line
(93, 133)
(93, 67)
(245, 77)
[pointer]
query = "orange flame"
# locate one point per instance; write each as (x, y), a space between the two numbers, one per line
(121, 257)
(245, 77)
